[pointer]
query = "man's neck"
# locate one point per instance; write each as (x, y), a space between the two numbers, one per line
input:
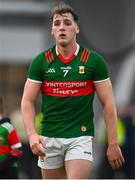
(67, 51)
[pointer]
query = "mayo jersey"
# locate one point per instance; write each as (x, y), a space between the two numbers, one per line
(67, 88)
(9, 140)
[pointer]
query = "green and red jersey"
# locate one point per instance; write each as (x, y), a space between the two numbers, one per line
(67, 88)
(9, 140)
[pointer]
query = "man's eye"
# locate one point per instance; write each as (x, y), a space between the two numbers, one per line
(56, 23)
(67, 22)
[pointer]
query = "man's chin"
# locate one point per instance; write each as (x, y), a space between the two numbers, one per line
(63, 43)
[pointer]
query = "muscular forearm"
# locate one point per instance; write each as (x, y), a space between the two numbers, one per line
(104, 91)
(114, 153)
(31, 91)
(28, 112)
(110, 117)
(36, 143)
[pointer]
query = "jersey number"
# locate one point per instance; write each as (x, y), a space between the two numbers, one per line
(65, 71)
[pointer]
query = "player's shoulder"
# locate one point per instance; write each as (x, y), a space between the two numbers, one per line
(87, 54)
(5, 122)
(44, 55)
(95, 53)
(49, 54)
(84, 53)
(91, 56)
(90, 51)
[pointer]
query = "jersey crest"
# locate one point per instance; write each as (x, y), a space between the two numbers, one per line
(81, 69)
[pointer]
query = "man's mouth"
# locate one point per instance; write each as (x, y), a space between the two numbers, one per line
(62, 35)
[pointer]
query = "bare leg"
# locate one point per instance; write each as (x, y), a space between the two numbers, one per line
(53, 173)
(78, 169)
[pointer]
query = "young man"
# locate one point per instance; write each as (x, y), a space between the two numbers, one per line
(10, 147)
(68, 76)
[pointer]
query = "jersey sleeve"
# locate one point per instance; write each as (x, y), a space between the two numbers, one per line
(12, 135)
(101, 71)
(13, 139)
(35, 68)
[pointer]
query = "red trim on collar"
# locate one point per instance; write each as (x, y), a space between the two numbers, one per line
(66, 60)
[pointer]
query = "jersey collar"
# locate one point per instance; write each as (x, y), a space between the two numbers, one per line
(67, 60)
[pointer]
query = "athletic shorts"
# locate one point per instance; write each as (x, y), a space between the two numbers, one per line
(59, 150)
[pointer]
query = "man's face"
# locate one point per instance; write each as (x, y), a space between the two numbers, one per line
(64, 29)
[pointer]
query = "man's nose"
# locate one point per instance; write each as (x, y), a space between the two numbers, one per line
(62, 26)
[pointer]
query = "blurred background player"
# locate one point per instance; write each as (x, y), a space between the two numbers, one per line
(10, 147)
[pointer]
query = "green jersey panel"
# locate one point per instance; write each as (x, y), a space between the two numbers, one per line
(101, 69)
(36, 68)
(68, 91)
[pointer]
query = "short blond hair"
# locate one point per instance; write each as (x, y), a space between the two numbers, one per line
(64, 8)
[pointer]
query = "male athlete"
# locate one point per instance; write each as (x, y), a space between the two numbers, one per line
(68, 75)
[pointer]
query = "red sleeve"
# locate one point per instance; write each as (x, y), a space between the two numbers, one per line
(13, 138)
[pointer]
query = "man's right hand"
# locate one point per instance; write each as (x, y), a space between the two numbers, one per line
(37, 144)
(115, 157)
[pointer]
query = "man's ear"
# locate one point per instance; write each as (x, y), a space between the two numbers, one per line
(77, 29)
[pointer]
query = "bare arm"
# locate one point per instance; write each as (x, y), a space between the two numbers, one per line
(105, 94)
(31, 91)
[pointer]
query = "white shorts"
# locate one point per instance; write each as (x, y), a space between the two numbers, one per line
(59, 150)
